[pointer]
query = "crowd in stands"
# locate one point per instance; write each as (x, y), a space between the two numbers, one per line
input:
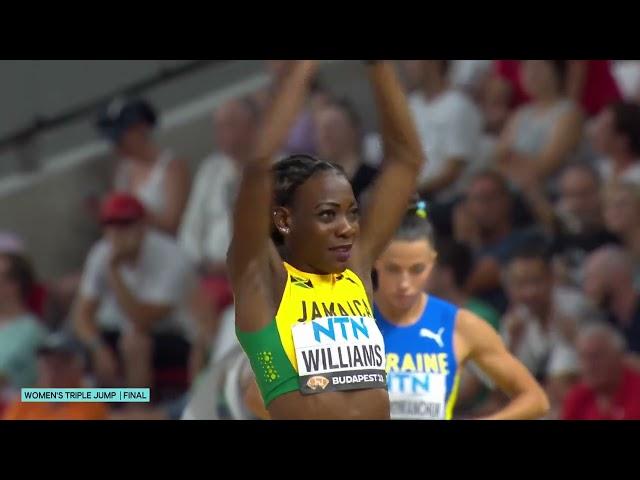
(532, 184)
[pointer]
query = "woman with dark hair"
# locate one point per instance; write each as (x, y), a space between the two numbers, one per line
(544, 133)
(303, 313)
(428, 341)
(155, 176)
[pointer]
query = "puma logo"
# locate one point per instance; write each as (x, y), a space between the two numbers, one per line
(437, 337)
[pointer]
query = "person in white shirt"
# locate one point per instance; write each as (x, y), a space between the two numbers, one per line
(450, 128)
(616, 136)
(537, 328)
(157, 177)
(205, 232)
(133, 298)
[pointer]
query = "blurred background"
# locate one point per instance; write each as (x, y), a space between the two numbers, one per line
(532, 185)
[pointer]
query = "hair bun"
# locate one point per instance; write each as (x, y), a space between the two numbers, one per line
(418, 207)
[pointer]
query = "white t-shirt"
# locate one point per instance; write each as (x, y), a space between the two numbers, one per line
(162, 275)
(449, 126)
(205, 233)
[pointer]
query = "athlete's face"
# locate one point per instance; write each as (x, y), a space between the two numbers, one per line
(403, 271)
(322, 223)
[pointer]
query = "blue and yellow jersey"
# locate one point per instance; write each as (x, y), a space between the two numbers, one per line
(422, 369)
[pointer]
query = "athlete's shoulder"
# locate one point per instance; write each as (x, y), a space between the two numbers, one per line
(437, 303)
(477, 332)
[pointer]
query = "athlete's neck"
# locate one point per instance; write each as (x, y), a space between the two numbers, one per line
(402, 317)
(286, 255)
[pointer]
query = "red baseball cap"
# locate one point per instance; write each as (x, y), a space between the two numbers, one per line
(121, 208)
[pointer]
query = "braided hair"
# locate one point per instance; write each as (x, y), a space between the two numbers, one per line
(292, 172)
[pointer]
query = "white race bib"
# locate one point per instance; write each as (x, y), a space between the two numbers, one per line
(417, 395)
(339, 353)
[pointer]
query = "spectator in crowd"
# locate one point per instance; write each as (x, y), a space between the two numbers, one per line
(536, 327)
(483, 221)
(206, 230)
(544, 133)
(495, 104)
(609, 389)
(339, 140)
(133, 297)
(608, 282)
(38, 298)
(155, 176)
(450, 126)
(20, 331)
(621, 212)
(616, 136)
(302, 138)
(589, 83)
(470, 75)
(61, 364)
(576, 224)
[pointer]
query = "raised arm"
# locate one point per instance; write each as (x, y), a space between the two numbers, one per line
(251, 216)
(403, 162)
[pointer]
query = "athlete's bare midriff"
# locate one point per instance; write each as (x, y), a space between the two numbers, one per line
(354, 405)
